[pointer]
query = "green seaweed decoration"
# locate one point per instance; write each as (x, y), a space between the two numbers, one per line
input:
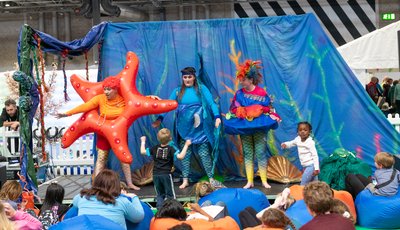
(318, 57)
(25, 87)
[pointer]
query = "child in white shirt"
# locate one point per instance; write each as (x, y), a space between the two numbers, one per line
(307, 152)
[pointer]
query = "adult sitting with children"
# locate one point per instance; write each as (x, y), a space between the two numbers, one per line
(104, 198)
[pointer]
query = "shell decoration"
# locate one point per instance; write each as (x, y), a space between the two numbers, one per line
(280, 169)
(144, 175)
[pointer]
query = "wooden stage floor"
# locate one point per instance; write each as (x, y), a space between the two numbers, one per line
(74, 184)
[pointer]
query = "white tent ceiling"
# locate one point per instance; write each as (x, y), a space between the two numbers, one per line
(376, 50)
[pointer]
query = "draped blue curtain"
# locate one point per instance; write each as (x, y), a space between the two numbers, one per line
(303, 73)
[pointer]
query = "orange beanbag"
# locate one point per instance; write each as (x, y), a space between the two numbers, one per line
(297, 192)
(226, 223)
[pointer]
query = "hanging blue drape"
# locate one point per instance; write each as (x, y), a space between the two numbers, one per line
(303, 73)
(76, 47)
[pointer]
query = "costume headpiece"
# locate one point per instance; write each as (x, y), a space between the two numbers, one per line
(111, 82)
(188, 71)
(249, 69)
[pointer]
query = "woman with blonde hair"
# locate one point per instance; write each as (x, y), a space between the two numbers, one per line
(10, 192)
(11, 219)
(5, 223)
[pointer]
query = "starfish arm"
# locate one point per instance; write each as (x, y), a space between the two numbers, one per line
(85, 124)
(117, 136)
(86, 89)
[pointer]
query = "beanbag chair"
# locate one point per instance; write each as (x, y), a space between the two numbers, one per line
(378, 211)
(144, 224)
(237, 199)
(298, 213)
(297, 192)
(226, 223)
(85, 222)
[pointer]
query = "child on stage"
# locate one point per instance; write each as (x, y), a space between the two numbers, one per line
(163, 156)
(307, 152)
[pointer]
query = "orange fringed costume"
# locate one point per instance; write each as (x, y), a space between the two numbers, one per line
(109, 110)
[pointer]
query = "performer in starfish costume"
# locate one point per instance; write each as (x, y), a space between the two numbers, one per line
(110, 109)
(251, 117)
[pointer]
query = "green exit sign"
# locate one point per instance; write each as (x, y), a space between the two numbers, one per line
(388, 16)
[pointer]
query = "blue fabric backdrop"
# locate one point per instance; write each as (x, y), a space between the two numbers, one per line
(303, 73)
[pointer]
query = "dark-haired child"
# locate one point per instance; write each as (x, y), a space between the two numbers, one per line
(163, 156)
(52, 209)
(307, 152)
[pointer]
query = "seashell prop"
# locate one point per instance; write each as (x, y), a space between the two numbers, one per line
(143, 175)
(280, 169)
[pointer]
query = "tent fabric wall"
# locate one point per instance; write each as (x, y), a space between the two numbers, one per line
(376, 50)
(303, 73)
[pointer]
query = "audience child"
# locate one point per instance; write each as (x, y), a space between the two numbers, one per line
(163, 157)
(282, 202)
(341, 208)
(273, 219)
(385, 181)
(21, 220)
(52, 210)
(182, 226)
(318, 198)
(307, 152)
(10, 192)
(5, 223)
(201, 189)
(104, 199)
(171, 208)
(250, 218)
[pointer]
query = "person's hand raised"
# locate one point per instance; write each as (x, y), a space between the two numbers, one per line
(60, 115)
(156, 124)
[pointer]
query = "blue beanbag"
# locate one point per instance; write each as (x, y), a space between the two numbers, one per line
(378, 211)
(237, 199)
(85, 222)
(144, 224)
(298, 213)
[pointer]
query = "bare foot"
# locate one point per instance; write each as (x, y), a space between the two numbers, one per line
(248, 185)
(134, 187)
(184, 184)
(266, 185)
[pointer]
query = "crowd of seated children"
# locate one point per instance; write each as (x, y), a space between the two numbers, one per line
(318, 197)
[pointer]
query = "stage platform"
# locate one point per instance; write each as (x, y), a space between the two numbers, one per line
(74, 184)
